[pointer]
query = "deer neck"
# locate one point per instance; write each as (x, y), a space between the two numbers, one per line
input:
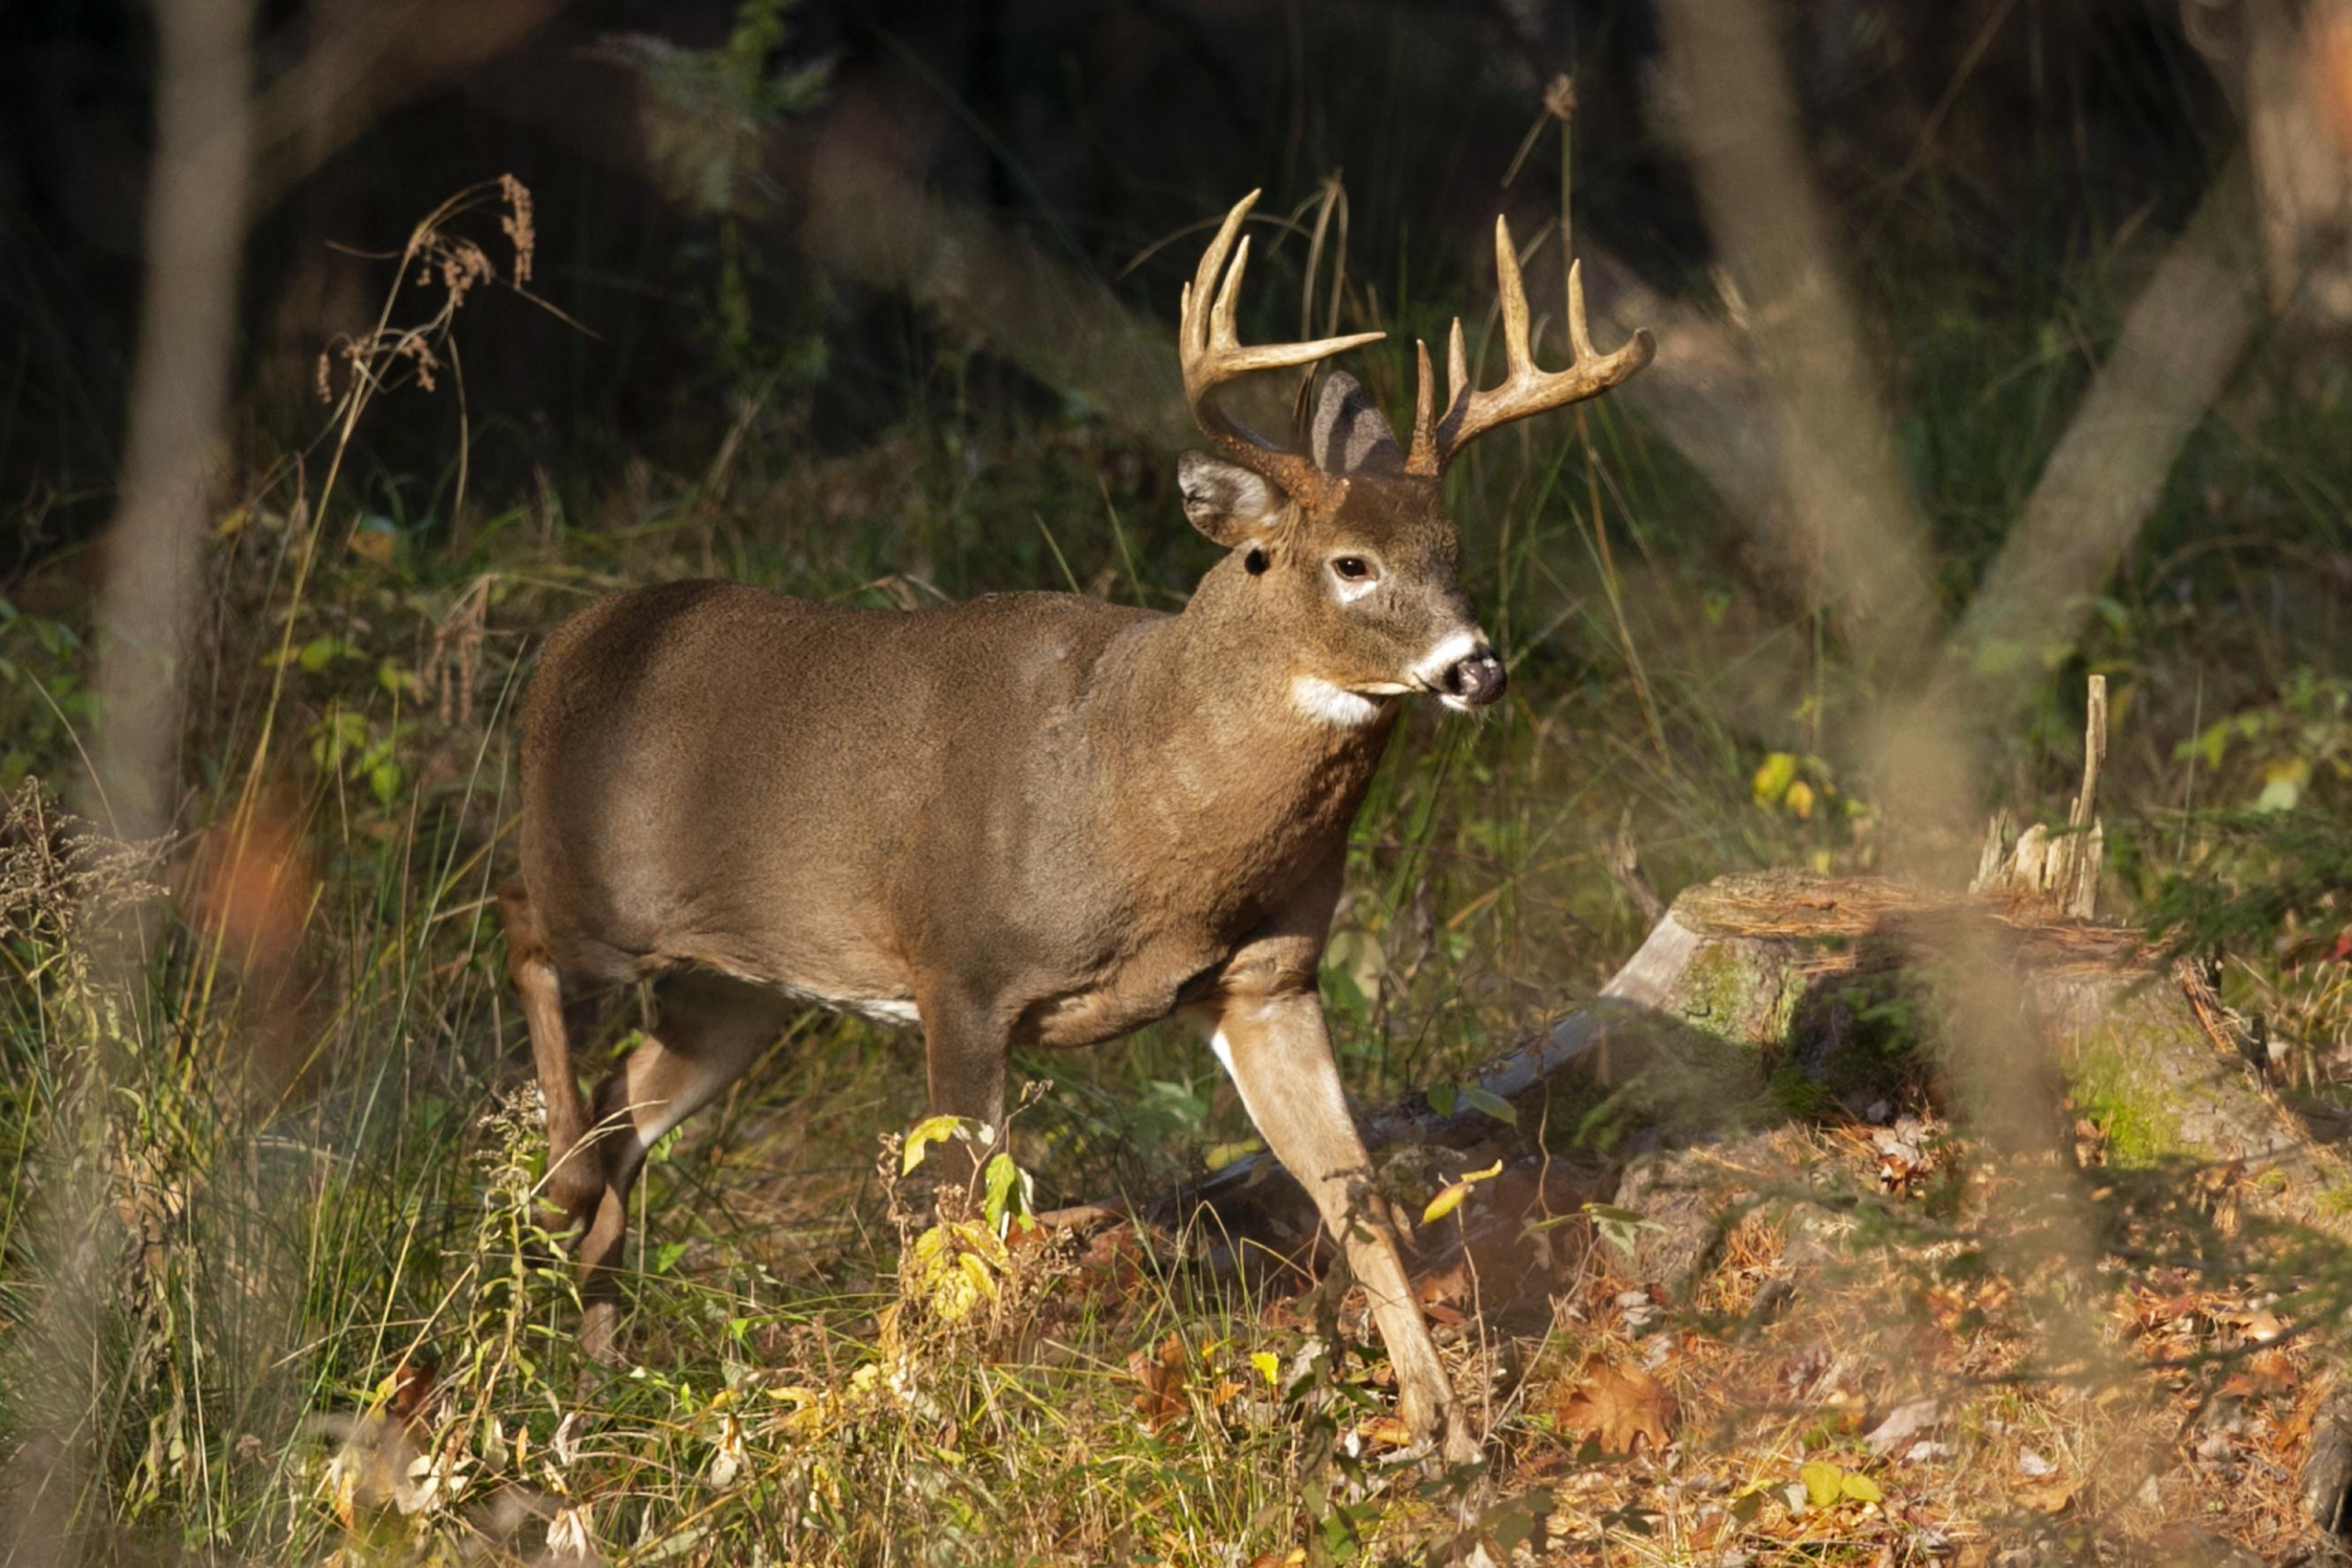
(1207, 713)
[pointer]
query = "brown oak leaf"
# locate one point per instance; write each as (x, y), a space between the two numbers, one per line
(1618, 1406)
(1162, 1376)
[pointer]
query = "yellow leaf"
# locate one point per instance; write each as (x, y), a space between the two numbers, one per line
(1268, 1365)
(1824, 1482)
(1861, 1488)
(1450, 1198)
(373, 541)
(929, 1131)
(1774, 778)
(1800, 799)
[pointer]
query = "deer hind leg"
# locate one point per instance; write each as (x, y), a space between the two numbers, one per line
(572, 1181)
(1277, 1048)
(707, 1029)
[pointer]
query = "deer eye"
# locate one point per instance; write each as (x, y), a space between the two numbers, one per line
(1353, 568)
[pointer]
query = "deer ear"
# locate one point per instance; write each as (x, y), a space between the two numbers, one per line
(1349, 433)
(1229, 503)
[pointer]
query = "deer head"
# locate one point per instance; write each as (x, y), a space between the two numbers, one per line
(1346, 532)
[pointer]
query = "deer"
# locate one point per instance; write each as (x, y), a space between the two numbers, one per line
(1030, 818)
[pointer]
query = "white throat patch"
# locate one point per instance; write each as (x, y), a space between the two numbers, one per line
(1318, 699)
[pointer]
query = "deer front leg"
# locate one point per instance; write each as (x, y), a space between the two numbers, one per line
(1275, 1046)
(967, 1045)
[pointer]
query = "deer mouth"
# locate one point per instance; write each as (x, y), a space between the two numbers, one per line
(1463, 673)
(1475, 684)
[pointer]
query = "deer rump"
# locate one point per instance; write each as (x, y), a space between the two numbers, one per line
(830, 802)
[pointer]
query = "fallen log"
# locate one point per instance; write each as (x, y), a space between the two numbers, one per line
(1783, 981)
(1764, 996)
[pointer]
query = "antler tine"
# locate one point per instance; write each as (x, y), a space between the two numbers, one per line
(1519, 360)
(1424, 457)
(1525, 390)
(1221, 335)
(1421, 457)
(1211, 351)
(1458, 364)
(1579, 339)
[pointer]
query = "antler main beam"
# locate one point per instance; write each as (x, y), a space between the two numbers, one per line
(1212, 355)
(1469, 413)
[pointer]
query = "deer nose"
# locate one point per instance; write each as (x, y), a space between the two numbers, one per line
(1474, 680)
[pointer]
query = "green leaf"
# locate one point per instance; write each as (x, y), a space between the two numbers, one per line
(315, 655)
(1778, 771)
(1444, 1098)
(2282, 787)
(1005, 1192)
(1482, 1099)
(1518, 1521)
(1617, 1226)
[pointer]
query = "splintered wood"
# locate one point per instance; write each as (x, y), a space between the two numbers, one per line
(2060, 868)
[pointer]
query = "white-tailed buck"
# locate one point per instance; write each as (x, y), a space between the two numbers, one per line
(1034, 817)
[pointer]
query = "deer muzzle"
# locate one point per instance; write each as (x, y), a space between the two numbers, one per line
(1471, 680)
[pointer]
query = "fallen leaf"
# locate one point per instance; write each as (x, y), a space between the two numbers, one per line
(1824, 1482)
(410, 1405)
(2048, 1496)
(1444, 1285)
(1385, 1432)
(1162, 1376)
(1903, 1423)
(2268, 1371)
(1618, 1406)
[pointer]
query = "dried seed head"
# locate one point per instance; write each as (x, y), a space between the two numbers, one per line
(518, 226)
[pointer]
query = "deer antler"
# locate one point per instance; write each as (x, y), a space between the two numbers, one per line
(1212, 355)
(1470, 413)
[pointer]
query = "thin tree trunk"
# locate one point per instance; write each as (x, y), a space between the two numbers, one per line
(195, 236)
